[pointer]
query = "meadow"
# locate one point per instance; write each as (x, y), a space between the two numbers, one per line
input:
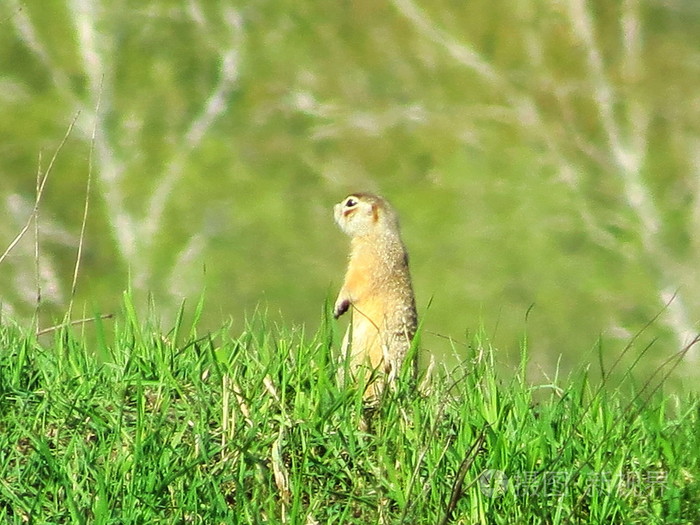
(129, 422)
(543, 159)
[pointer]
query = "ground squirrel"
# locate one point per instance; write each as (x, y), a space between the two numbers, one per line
(378, 288)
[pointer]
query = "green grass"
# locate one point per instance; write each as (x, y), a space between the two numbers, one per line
(137, 425)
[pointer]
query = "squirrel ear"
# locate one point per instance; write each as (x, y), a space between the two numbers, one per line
(375, 213)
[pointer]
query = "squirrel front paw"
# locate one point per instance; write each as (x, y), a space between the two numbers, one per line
(341, 306)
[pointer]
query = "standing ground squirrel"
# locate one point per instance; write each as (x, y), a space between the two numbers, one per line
(377, 286)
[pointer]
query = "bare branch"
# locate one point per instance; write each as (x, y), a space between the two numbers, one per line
(110, 170)
(629, 152)
(29, 36)
(84, 16)
(526, 113)
(677, 319)
(637, 115)
(179, 286)
(582, 25)
(628, 161)
(460, 52)
(214, 107)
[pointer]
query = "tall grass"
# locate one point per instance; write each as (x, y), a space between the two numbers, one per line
(139, 425)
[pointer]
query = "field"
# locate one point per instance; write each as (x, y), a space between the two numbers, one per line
(543, 158)
(126, 422)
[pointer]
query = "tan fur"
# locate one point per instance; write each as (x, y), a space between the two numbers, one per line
(377, 288)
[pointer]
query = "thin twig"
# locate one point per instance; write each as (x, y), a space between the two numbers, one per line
(40, 192)
(36, 242)
(78, 256)
(73, 323)
(447, 337)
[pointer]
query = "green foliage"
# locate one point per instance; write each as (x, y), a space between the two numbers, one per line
(146, 426)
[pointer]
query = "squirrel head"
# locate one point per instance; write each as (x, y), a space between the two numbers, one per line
(361, 214)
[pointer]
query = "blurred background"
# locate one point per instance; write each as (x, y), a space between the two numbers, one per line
(544, 158)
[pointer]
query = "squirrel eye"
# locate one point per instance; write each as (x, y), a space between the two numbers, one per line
(350, 203)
